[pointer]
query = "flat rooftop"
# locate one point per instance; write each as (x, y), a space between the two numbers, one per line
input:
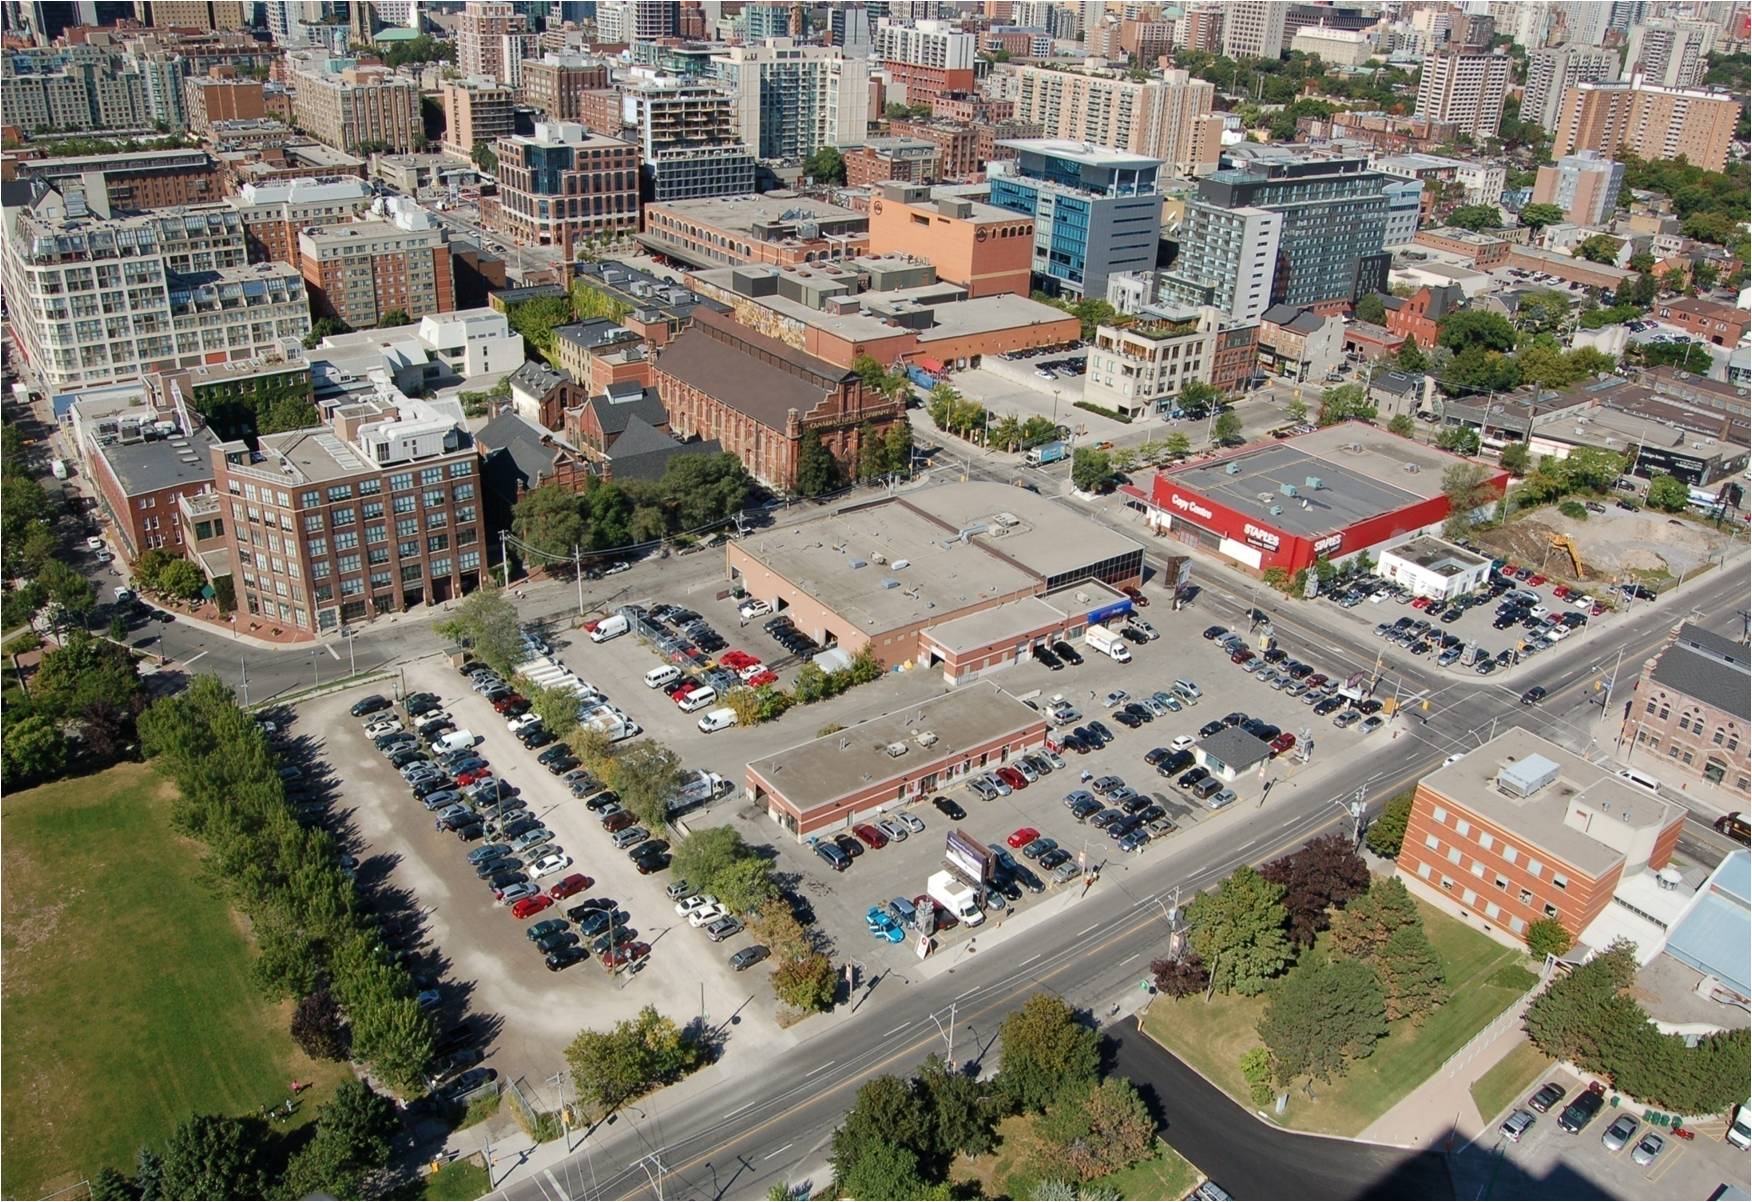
(1437, 556)
(1363, 472)
(1080, 152)
(178, 461)
(987, 314)
(1557, 817)
(822, 771)
(1042, 536)
(1021, 617)
(743, 213)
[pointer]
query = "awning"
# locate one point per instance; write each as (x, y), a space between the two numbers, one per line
(934, 366)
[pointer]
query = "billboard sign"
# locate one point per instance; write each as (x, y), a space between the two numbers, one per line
(968, 855)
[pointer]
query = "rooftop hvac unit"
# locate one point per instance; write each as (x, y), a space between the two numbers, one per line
(1525, 777)
(890, 582)
(1313, 484)
(1411, 468)
(1231, 469)
(895, 750)
(927, 738)
(1289, 490)
(858, 563)
(900, 564)
(1275, 510)
(878, 557)
(1006, 520)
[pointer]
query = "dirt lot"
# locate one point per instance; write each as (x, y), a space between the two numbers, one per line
(1614, 545)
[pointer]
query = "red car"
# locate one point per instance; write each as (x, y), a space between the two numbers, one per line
(686, 684)
(1535, 581)
(737, 659)
(1023, 837)
(1509, 569)
(576, 883)
(1241, 656)
(1282, 744)
(1316, 680)
(762, 678)
(1561, 592)
(1012, 777)
(529, 907)
(478, 774)
(1599, 608)
(1137, 597)
(870, 835)
(1420, 602)
(632, 953)
(505, 703)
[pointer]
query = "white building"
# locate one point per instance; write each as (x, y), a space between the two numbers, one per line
(1465, 86)
(1135, 368)
(1254, 28)
(1338, 47)
(791, 100)
(1432, 568)
(925, 44)
(1404, 200)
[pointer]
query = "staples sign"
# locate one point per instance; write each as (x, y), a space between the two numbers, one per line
(1260, 537)
(1329, 544)
(1193, 507)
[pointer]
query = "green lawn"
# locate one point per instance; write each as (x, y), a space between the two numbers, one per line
(127, 1004)
(1483, 976)
(1508, 1079)
(1166, 1175)
(460, 1179)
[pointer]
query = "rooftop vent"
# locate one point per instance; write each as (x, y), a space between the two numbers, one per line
(1313, 484)
(1231, 469)
(926, 738)
(1006, 520)
(858, 563)
(895, 750)
(1526, 777)
(901, 564)
(1275, 510)
(1289, 490)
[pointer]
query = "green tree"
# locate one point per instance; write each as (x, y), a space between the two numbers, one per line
(776, 926)
(1344, 403)
(1296, 410)
(885, 1169)
(34, 750)
(318, 1028)
(1197, 398)
(1362, 928)
(1098, 1130)
(1411, 358)
(1322, 1016)
(556, 707)
(637, 1055)
(1537, 216)
(1464, 329)
(182, 579)
(707, 853)
(483, 157)
(807, 984)
(486, 622)
(325, 327)
(744, 885)
(1238, 931)
(897, 447)
(1668, 493)
(1401, 424)
(352, 1140)
(646, 775)
(1091, 470)
(1461, 440)
(1387, 832)
(148, 1173)
(1468, 488)
(1476, 217)
(1600, 248)
(84, 670)
(107, 1183)
(537, 319)
(1548, 937)
(1410, 973)
(1546, 309)
(817, 473)
(1226, 429)
(213, 1156)
(1515, 457)
(1047, 1052)
(961, 1121)
(1686, 356)
(1372, 308)
(1177, 445)
(1324, 874)
(826, 166)
(394, 318)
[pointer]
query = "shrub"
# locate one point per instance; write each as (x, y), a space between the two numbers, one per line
(1547, 937)
(1574, 509)
(1256, 1069)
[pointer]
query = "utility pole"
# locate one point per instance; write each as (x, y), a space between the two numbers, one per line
(578, 575)
(505, 558)
(243, 664)
(948, 1033)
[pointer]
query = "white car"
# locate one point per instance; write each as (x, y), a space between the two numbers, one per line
(521, 721)
(617, 567)
(94, 543)
(1117, 697)
(548, 865)
(705, 915)
(1538, 611)
(749, 671)
(383, 726)
(688, 905)
(1181, 742)
(754, 608)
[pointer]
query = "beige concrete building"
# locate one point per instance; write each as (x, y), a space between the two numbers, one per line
(556, 83)
(563, 185)
(1550, 73)
(492, 39)
(477, 110)
(1650, 122)
(1466, 86)
(355, 108)
(1254, 28)
(360, 271)
(1168, 118)
(1584, 185)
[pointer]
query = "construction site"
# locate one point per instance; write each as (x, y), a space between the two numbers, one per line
(1617, 546)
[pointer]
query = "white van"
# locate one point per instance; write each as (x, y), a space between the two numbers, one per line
(699, 699)
(656, 678)
(1641, 780)
(719, 719)
(456, 740)
(609, 628)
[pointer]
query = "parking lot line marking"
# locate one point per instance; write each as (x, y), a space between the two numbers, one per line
(555, 1182)
(1666, 1161)
(1029, 961)
(818, 1069)
(770, 1155)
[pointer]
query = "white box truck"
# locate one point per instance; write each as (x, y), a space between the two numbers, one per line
(1109, 643)
(960, 899)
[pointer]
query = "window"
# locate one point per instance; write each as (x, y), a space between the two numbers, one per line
(377, 534)
(1560, 880)
(441, 567)
(1448, 883)
(320, 570)
(462, 467)
(347, 563)
(410, 573)
(1491, 909)
(407, 527)
(431, 475)
(468, 560)
(346, 540)
(464, 492)
(1431, 842)
(345, 516)
(433, 498)
(340, 492)
(404, 503)
(1423, 870)
(308, 500)
(1470, 897)
(316, 546)
(1510, 854)
(1440, 814)
(312, 521)
(1534, 867)
(401, 480)
(1550, 910)
(1462, 826)
(1477, 870)
(1502, 882)
(1526, 897)
(1517, 925)
(1486, 840)
(369, 488)
(409, 549)
(1453, 855)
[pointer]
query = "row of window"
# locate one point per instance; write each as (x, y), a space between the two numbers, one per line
(1491, 909)
(1510, 854)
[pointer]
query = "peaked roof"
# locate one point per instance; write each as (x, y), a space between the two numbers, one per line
(1708, 667)
(519, 440)
(741, 378)
(643, 452)
(614, 415)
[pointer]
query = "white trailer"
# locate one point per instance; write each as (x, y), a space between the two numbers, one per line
(955, 896)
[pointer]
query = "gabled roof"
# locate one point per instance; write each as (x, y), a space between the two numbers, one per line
(615, 409)
(538, 378)
(642, 451)
(518, 440)
(740, 379)
(1708, 667)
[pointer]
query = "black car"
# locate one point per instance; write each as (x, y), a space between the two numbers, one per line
(1177, 762)
(496, 865)
(1215, 632)
(602, 801)
(948, 809)
(1328, 705)
(1156, 755)
(1580, 1113)
(564, 764)
(501, 881)
(1234, 718)
(849, 845)
(369, 705)
(1549, 1095)
(648, 864)
(1075, 742)
(1191, 777)
(1209, 729)
(1100, 729)
(1067, 652)
(1127, 719)
(552, 753)
(1533, 696)
(1083, 809)
(1141, 712)
(1047, 658)
(535, 736)
(564, 958)
(555, 940)
(1054, 858)
(1123, 827)
(589, 906)
(468, 832)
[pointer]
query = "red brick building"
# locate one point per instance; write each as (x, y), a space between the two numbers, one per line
(1416, 316)
(957, 145)
(759, 398)
(1721, 324)
(908, 160)
(139, 484)
(1371, 341)
(1689, 716)
(972, 107)
(987, 147)
(599, 111)
(924, 84)
(1521, 830)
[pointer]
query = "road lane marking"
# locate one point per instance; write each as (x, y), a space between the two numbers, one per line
(335, 655)
(1130, 958)
(819, 1069)
(1088, 928)
(1029, 961)
(780, 1151)
(739, 1110)
(191, 659)
(969, 993)
(885, 1035)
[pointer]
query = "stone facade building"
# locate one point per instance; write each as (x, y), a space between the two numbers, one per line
(1689, 714)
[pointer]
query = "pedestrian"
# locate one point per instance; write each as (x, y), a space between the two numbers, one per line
(437, 824)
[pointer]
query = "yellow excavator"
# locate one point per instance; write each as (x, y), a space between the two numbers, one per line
(1569, 544)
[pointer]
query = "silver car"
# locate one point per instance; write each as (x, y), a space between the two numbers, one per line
(893, 828)
(1619, 1133)
(913, 822)
(1647, 1148)
(1517, 1125)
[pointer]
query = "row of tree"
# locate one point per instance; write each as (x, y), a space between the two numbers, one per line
(695, 493)
(902, 1134)
(309, 932)
(343, 1154)
(1331, 998)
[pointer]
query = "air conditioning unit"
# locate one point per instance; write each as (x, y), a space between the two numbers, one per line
(895, 750)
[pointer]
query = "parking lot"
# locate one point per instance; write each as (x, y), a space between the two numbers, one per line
(1549, 1162)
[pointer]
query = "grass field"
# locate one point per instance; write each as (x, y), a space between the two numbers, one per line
(127, 1003)
(1483, 976)
(460, 1179)
(1167, 1174)
(1508, 1079)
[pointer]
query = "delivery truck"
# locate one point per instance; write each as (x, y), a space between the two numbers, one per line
(1109, 643)
(955, 896)
(1050, 452)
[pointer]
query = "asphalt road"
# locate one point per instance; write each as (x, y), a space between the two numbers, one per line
(1252, 1159)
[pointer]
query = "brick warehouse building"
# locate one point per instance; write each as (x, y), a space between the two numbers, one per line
(831, 782)
(1326, 495)
(1521, 830)
(758, 398)
(1690, 713)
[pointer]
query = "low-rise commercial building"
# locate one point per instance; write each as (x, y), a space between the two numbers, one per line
(1145, 366)
(1689, 716)
(1299, 344)
(1419, 315)
(1330, 494)
(1230, 753)
(780, 228)
(898, 576)
(908, 160)
(1522, 830)
(140, 480)
(1723, 325)
(134, 182)
(987, 250)
(957, 144)
(1430, 567)
(1571, 269)
(653, 308)
(1480, 250)
(831, 782)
